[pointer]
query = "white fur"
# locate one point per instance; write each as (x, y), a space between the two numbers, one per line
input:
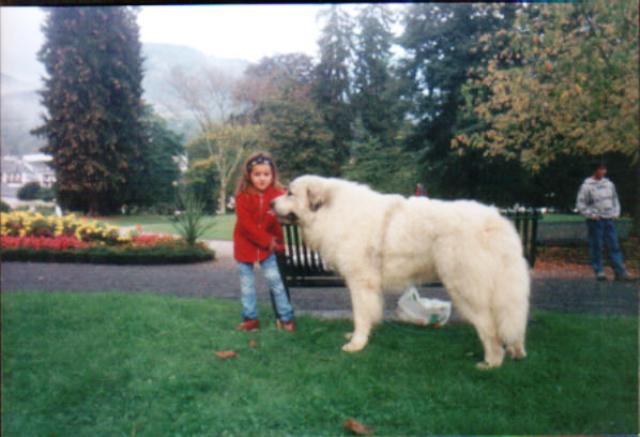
(377, 241)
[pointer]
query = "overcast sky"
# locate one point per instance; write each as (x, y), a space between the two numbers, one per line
(228, 31)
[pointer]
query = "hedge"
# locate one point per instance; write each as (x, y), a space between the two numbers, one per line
(162, 254)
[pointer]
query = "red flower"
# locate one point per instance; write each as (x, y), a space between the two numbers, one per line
(58, 243)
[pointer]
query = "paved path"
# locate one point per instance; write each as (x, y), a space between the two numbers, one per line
(220, 279)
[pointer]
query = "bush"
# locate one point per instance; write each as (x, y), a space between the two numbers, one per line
(46, 194)
(4, 206)
(29, 191)
(190, 222)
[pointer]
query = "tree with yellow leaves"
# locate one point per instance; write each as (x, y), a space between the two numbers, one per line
(564, 81)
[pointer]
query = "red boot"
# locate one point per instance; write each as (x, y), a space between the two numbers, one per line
(249, 325)
(286, 326)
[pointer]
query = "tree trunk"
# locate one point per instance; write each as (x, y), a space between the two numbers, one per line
(635, 229)
(94, 206)
(222, 197)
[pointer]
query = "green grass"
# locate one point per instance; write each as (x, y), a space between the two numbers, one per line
(554, 218)
(223, 228)
(112, 364)
(158, 224)
(132, 220)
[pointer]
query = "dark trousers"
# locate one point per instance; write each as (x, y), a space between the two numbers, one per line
(603, 233)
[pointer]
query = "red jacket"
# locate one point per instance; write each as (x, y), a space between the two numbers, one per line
(256, 226)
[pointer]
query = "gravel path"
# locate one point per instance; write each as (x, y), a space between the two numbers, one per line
(220, 279)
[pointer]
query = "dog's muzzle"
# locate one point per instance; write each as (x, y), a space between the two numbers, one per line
(289, 219)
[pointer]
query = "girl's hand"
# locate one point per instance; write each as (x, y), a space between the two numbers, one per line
(272, 245)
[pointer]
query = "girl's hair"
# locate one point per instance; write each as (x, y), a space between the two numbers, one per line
(244, 181)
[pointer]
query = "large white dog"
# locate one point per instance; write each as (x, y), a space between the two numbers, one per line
(380, 241)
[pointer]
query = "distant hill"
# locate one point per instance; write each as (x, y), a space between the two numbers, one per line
(160, 59)
(11, 84)
(21, 110)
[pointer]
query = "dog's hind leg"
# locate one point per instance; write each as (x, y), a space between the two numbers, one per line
(493, 349)
(481, 319)
(367, 303)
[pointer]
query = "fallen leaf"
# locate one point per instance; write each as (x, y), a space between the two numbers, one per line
(357, 428)
(253, 343)
(226, 354)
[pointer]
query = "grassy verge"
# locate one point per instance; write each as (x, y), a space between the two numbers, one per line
(110, 364)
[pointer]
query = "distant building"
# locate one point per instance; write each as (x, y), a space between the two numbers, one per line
(17, 171)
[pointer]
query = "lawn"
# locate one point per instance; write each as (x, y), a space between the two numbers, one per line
(158, 224)
(113, 364)
(564, 218)
(223, 227)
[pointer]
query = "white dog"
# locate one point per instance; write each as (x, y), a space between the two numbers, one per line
(379, 241)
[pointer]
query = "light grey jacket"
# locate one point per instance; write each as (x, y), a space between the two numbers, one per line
(598, 198)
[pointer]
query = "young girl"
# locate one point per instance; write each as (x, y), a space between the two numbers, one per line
(257, 235)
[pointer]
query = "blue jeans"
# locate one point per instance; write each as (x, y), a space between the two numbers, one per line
(276, 287)
(603, 232)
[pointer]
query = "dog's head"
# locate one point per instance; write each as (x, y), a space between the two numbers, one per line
(307, 195)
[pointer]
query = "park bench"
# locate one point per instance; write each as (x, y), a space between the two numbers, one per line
(302, 267)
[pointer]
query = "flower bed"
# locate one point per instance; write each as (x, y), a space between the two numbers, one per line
(33, 237)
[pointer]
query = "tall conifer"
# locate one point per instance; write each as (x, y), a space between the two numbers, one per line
(92, 93)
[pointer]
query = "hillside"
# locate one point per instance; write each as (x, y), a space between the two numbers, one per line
(21, 109)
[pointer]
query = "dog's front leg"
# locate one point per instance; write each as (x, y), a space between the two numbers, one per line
(367, 305)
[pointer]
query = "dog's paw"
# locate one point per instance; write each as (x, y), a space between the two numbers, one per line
(355, 345)
(517, 352)
(483, 365)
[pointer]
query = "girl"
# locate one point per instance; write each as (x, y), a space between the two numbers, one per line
(256, 236)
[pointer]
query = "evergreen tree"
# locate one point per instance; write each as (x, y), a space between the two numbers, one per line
(298, 138)
(92, 93)
(331, 90)
(442, 43)
(154, 183)
(375, 98)
(388, 168)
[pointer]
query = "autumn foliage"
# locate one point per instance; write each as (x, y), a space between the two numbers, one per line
(563, 81)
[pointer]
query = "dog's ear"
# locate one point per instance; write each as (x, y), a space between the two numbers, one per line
(317, 196)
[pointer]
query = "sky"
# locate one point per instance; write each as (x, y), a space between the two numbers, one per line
(228, 31)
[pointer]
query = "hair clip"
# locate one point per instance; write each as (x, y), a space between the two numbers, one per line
(258, 160)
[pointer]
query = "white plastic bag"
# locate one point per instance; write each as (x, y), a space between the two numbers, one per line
(422, 311)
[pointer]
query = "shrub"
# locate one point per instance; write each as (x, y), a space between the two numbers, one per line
(29, 191)
(190, 222)
(4, 206)
(176, 253)
(46, 194)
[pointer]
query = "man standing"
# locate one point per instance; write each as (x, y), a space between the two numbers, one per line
(598, 202)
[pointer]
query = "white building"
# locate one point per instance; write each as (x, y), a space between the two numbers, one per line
(17, 171)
